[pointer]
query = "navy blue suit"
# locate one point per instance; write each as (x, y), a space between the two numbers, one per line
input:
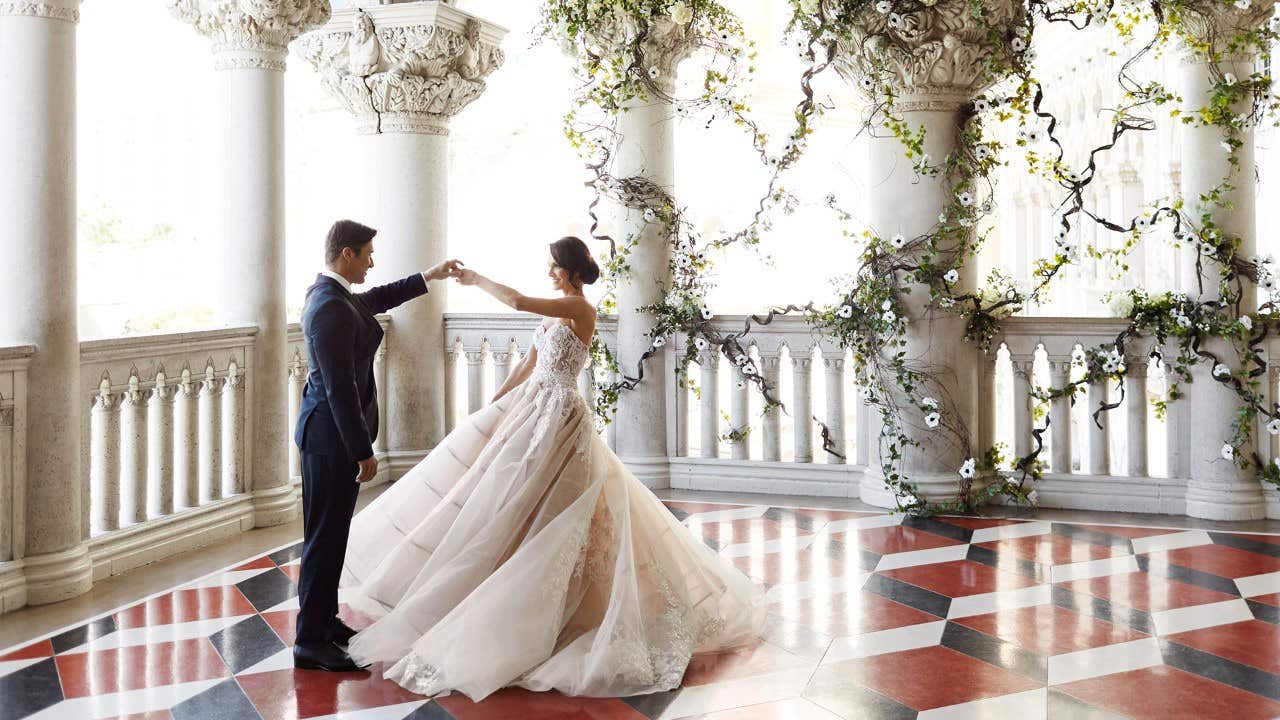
(337, 423)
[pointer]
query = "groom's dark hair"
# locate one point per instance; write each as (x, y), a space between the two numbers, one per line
(346, 234)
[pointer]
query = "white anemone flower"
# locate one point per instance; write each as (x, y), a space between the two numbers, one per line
(1221, 370)
(1228, 452)
(932, 419)
(966, 469)
(898, 241)
(845, 311)
(1273, 427)
(952, 277)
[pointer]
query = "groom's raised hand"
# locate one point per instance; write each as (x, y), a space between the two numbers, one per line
(448, 268)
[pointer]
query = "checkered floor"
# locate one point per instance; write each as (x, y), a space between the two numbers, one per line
(872, 616)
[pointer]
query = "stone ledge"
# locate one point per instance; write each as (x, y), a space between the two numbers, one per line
(770, 478)
(131, 547)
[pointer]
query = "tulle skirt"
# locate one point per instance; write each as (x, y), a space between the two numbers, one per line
(522, 552)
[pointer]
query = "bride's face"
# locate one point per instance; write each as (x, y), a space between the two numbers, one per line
(560, 279)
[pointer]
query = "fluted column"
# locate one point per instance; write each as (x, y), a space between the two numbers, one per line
(802, 406)
(933, 59)
(1060, 415)
(1099, 439)
(38, 284)
(250, 41)
(1218, 489)
(739, 416)
(771, 420)
(404, 70)
(1022, 423)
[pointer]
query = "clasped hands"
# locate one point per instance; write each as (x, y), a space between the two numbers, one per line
(448, 269)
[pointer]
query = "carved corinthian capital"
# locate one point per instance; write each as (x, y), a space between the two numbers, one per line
(405, 67)
(251, 33)
(934, 56)
(663, 46)
(1215, 24)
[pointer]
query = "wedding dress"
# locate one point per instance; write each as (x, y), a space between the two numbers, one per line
(522, 552)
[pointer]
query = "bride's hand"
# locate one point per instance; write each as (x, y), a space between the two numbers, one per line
(467, 276)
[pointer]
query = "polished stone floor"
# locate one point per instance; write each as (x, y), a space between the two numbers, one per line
(871, 616)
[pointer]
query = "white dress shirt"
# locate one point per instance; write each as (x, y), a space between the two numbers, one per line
(346, 285)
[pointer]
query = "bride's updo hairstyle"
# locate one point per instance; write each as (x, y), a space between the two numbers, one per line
(572, 254)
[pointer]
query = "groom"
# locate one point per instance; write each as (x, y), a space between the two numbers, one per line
(337, 423)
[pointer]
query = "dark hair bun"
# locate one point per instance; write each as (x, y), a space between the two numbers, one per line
(573, 255)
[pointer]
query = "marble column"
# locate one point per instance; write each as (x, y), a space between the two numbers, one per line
(646, 147)
(404, 70)
(1218, 489)
(38, 202)
(933, 61)
(250, 41)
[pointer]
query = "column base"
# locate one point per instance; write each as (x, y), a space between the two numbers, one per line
(653, 472)
(1272, 496)
(58, 576)
(1225, 500)
(935, 487)
(400, 462)
(275, 505)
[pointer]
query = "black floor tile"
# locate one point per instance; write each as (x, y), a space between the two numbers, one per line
(995, 651)
(30, 690)
(907, 594)
(224, 701)
(268, 589)
(77, 636)
(246, 643)
(1227, 672)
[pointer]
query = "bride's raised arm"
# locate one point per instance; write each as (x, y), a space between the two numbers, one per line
(569, 307)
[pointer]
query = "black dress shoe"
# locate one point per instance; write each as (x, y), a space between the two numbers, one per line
(323, 657)
(341, 633)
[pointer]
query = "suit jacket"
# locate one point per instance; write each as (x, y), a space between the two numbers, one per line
(339, 411)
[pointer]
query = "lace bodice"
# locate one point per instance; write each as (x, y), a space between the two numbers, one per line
(561, 354)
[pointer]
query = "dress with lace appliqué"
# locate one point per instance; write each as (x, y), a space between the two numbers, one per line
(522, 552)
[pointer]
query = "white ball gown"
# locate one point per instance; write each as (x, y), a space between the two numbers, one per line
(522, 552)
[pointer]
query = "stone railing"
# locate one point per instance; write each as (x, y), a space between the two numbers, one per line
(13, 468)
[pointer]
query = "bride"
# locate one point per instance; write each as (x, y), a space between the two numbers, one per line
(522, 552)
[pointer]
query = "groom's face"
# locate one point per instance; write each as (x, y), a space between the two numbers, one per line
(358, 263)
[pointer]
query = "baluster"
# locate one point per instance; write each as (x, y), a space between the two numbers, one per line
(7, 500)
(1099, 447)
(133, 453)
(186, 438)
(1135, 381)
(210, 447)
(380, 380)
(160, 449)
(450, 389)
(104, 464)
(475, 381)
(297, 378)
(802, 406)
(834, 365)
(682, 413)
(233, 480)
(1022, 369)
(771, 420)
(987, 403)
(1060, 415)
(1273, 441)
(501, 364)
(739, 410)
(709, 402)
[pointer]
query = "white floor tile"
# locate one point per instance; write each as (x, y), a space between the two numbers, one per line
(837, 527)
(812, 588)
(1029, 705)
(885, 641)
(717, 516)
(1093, 568)
(1006, 532)
(1171, 541)
(13, 666)
(282, 660)
(1195, 617)
(231, 577)
(736, 693)
(1001, 600)
(1107, 660)
(912, 558)
(159, 633)
(125, 703)
(389, 712)
(1256, 585)
(768, 547)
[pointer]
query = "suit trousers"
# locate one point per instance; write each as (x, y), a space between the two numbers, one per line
(329, 491)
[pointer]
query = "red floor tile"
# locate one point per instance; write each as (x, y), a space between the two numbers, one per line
(1149, 593)
(896, 539)
(748, 662)
(832, 515)
(185, 606)
(262, 563)
(790, 709)
(284, 622)
(1218, 560)
(1272, 599)
(1126, 531)
(750, 530)
(289, 694)
(1049, 629)
(1272, 539)
(143, 666)
(1163, 692)
(959, 578)
(697, 507)
(933, 677)
(153, 715)
(42, 649)
(977, 523)
(513, 703)
(1252, 642)
(293, 571)
(850, 613)
(1050, 549)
